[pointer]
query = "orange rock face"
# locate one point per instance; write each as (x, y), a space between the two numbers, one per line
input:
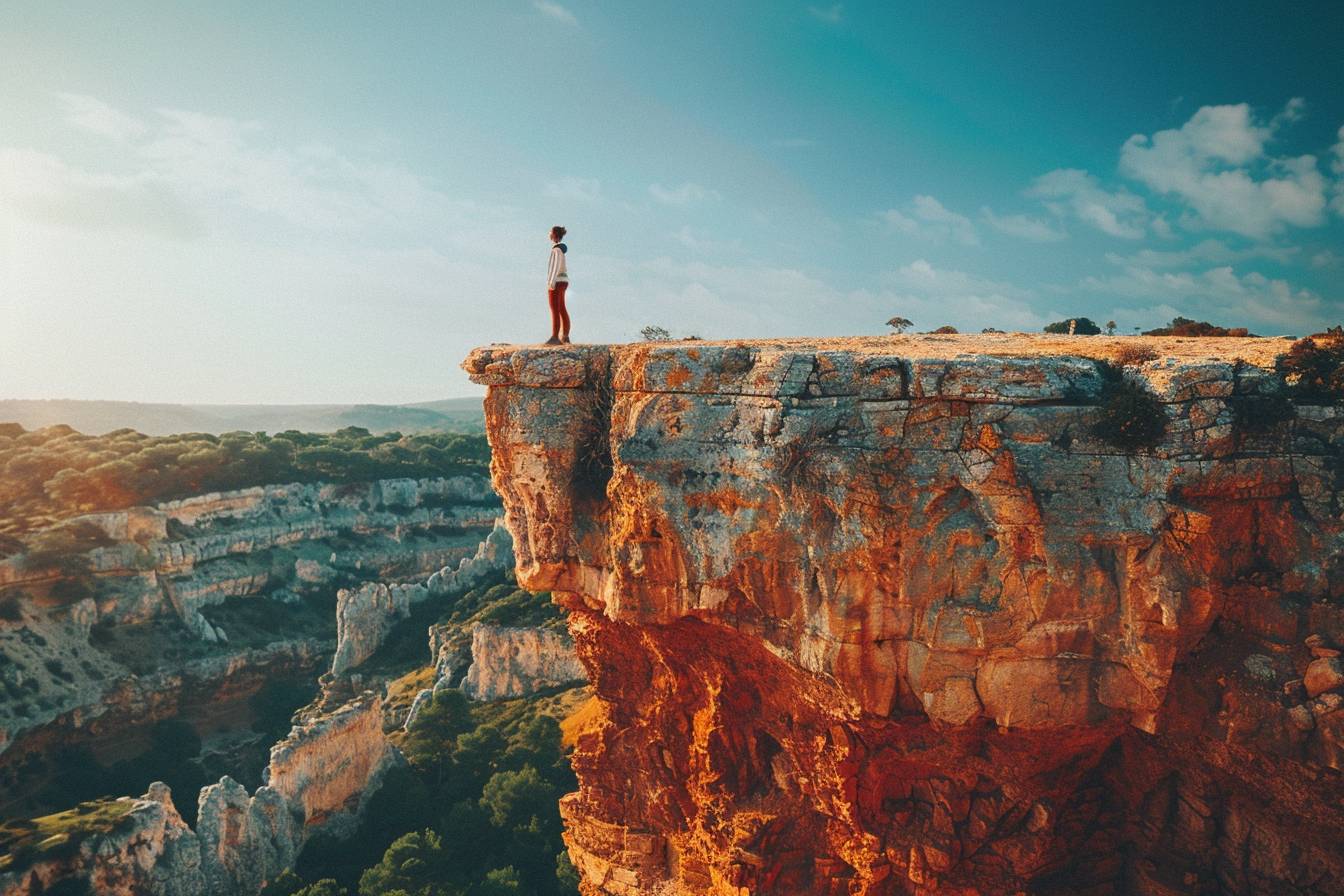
(887, 616)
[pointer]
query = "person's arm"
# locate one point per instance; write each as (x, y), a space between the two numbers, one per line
(554, 269)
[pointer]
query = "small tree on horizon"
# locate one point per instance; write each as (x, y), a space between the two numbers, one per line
(655, 334)
(1110, 328)
(900, 324)
(1082, 326)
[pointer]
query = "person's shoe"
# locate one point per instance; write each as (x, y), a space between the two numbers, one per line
(564, 340)
(552, 341)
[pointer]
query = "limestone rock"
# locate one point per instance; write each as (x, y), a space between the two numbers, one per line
(885, 615)
(516, 662)
(151, 852)
(365, 615)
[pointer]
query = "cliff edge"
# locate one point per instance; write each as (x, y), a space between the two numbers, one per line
(944, 614)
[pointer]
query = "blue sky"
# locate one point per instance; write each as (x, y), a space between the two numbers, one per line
(296, 202)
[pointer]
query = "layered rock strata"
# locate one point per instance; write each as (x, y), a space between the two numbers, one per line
(181, 560)
(889, 616)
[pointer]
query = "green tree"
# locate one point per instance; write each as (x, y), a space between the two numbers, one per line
(415, 864)
(1082, 326)
(324, 887)
(428, 744)
(518, 799)
(499, 882)
(477, 755)
(539, 744)
(566, 874)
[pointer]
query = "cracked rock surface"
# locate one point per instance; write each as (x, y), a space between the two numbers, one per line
(887, 616)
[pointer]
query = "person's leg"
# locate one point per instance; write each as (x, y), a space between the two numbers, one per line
(555, 297)
(560, 289)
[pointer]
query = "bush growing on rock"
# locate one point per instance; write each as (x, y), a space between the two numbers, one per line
(1134, 355)
(946, 330)
(594, 465)
(1184, 326)
(1314, 367)
(1130, 417)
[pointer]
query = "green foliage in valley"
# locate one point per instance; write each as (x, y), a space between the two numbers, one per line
(474, 814)
(52, 473)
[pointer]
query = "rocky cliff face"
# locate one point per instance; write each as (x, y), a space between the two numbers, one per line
(318, 779)
(890, 616)
(365, 615)
(515, 662)
(71, 638)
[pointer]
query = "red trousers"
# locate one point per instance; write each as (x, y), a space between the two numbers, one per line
(559, 316)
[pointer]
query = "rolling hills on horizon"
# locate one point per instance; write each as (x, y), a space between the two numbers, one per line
(97, 417)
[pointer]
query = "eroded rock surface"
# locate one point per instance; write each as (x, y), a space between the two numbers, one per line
(514, 662)
(366, 615)
(173, 565)
(318, 779)
(886, 616)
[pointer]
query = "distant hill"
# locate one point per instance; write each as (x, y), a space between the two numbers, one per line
(97, 417)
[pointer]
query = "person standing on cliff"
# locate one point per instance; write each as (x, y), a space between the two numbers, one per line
(557, 281)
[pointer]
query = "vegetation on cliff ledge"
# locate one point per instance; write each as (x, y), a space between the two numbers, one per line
(56, 472)
(22, 841)
(474, 814)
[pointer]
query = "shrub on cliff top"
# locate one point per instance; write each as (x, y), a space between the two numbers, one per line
(1082, 326)
(1130, 417)
(1314, 367)
(1134, 355)
(1184, 326)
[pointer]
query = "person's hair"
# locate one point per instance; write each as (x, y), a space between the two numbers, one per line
(558, 232)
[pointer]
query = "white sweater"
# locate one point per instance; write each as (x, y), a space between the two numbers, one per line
(556, 270)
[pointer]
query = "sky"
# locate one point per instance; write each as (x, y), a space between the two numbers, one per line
(314, 202)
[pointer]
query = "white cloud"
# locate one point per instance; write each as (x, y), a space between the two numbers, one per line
(1072, 191)
(94, 115)
(932, 297)
(831, 15)
(1217, 165)
(574, 189)
(685, 194)
(224, 164)
(925, 216)
(697, 241)
(1220, 295)
(552, 10)
(1205, 252)
(1337, 166)
(44, 188)
(1023, 227)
